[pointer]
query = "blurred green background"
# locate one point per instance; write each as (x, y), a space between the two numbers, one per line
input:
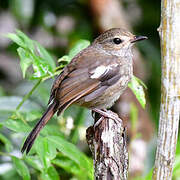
(57, 25)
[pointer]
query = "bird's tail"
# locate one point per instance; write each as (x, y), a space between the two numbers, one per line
(41, 123)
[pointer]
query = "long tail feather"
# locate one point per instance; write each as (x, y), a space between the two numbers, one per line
(41, 123)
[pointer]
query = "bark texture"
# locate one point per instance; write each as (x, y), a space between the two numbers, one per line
(107, 142)
(170, 88)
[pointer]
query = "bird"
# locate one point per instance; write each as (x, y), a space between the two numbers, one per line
(95, 78)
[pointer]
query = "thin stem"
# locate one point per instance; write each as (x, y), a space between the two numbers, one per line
(5, 154)
(28, 95)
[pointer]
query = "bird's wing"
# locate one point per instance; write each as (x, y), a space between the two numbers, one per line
(90, 76)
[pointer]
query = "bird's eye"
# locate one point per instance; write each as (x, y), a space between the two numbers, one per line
(117, 40)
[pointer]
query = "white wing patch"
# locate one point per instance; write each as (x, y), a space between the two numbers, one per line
(96, 73)
(100, 70)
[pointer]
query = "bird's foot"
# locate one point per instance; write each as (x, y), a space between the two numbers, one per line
(104, 113)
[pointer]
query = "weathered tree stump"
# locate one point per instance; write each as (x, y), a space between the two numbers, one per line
(108, 144)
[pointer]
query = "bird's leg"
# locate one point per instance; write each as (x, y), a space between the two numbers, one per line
(105, 114)
(102, 112)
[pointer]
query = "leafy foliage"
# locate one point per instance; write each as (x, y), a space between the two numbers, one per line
(21, 168)
(32, 53)
(136, 86)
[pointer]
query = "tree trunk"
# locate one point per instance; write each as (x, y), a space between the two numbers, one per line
(170, 89)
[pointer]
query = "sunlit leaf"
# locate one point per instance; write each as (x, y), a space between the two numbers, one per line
(25, 60)
(41, 68)
(21, 168)
(140, 82)
(15, 38)
(50, 174)
(42, 149)
(43, 63)
(34, 161)
(53, 174)
(52, 152)
(137, 88)
(27, 41)
(45, 55)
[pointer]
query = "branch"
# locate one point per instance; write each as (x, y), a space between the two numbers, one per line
(108, 144)
(170, 98)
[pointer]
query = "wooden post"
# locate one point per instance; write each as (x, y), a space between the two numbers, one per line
(108, 144)
(169, 32)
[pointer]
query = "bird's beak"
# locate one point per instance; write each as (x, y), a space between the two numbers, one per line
(138, 38)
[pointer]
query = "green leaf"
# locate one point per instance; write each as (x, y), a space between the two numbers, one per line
(69, 150)
(43, 63)
(136, 86)
(15, 38)
(42, 149)
(63, 61)
(46, 150)
(73, 153)
(51, 150)
(10, 174)
(78, 46)
(21, 168)
(16, 125)
(45, 55)
(33, 115)
(48, 130)
(50, 174)
(41, 68)
(25, 60)
(7, 143)
(34, 161)
(53, 174)
(27, 41)
(67, 164)
(140, 82)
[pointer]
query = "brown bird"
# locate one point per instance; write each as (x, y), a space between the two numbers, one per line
(95, 78)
